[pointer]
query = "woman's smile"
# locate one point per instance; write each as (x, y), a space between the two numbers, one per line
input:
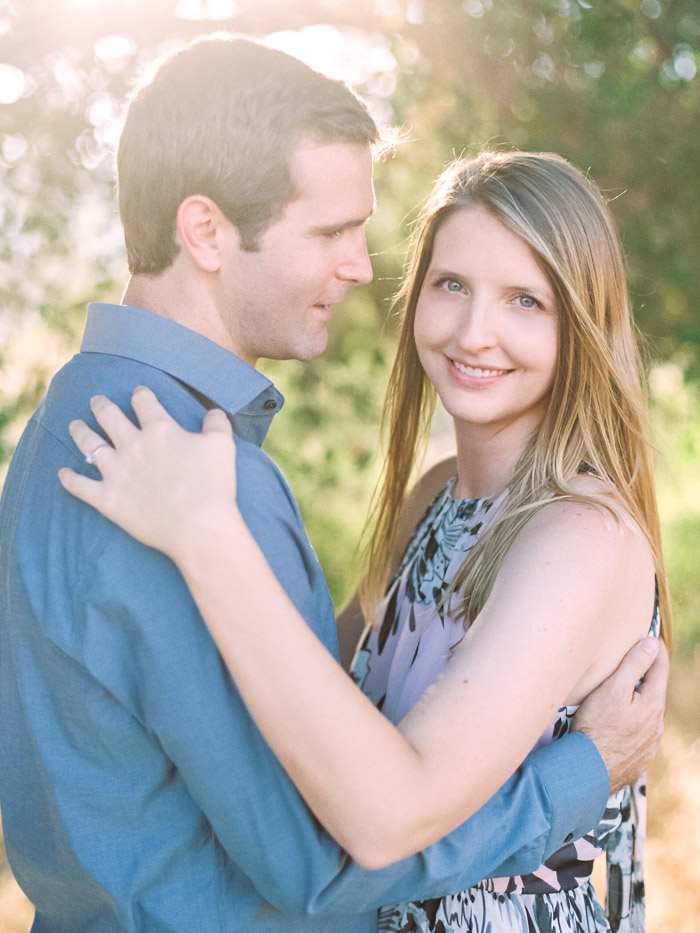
(480, 373)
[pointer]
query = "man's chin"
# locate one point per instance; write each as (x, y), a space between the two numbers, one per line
(312, 354)
(302, 351)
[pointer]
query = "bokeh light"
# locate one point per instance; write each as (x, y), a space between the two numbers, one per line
(13, 84)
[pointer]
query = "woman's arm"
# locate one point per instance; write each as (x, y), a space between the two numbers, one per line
(383, 792)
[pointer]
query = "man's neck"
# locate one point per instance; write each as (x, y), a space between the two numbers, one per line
(175, 297)
(161, 294)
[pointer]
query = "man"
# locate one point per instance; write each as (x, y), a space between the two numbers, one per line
(137, 794)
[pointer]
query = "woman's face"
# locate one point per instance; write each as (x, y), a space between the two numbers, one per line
(486, 326)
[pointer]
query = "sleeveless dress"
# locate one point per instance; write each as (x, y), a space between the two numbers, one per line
(395, 663)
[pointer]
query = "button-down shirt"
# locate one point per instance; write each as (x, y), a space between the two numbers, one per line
(137, 794)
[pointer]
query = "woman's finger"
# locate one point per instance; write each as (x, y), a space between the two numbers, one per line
(91, 444)
(80, 486)
(216, 422)
(147, 407)
(112, 419)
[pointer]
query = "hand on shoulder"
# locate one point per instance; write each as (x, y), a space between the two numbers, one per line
(159, 482)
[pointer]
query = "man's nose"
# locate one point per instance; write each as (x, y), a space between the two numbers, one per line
(356, 265)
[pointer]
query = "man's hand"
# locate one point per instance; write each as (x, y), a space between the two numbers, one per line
(626, 723)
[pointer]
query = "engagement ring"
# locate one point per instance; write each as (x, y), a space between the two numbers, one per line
(91, 454)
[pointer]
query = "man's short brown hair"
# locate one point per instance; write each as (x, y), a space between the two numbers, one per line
(221, 118)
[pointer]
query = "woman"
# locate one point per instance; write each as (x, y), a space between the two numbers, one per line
(516, 315)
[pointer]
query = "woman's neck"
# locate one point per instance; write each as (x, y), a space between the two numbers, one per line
(486, 458)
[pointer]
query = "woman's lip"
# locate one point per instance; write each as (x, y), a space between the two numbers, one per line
(478, 372)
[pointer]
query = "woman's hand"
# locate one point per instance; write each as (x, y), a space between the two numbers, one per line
(162, 484)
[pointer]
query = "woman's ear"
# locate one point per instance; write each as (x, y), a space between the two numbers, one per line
(200, 228)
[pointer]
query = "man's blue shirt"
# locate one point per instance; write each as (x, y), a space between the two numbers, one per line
(137, 794)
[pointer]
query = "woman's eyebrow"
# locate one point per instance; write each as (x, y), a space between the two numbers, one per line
(444, 271)
(543, 291)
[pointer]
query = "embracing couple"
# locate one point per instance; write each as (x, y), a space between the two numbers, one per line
(181, 750)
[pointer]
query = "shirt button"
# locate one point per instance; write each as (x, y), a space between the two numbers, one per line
(270, 405)
(569, 837)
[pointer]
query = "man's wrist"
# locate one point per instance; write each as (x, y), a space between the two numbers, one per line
(577, 784)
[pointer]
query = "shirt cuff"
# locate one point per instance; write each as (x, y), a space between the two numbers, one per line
(578, 787)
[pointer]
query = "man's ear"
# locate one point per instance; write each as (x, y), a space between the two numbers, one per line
(200, 228)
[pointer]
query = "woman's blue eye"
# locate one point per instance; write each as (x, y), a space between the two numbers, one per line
(452, 285)
(527, 301)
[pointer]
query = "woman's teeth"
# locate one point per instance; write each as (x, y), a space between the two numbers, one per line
(477, 371)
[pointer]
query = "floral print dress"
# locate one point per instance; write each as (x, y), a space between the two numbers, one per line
(396, 662)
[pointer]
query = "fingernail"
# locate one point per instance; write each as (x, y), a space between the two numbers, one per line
(650, 645)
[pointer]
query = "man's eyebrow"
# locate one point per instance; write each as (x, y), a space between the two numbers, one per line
(344, 225)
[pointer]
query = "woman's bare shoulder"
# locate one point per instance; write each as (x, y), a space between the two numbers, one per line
(596, 532)
(599, 513)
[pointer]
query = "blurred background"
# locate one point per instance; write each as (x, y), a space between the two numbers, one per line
(610, 84)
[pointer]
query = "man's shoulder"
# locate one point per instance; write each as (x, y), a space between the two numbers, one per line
(46, 445)
(60, 538)
(89, 374)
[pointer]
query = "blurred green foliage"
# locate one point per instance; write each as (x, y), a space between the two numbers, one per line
(610, 84)
(676, 415)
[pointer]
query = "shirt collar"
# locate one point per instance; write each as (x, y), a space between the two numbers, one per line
(248, 397)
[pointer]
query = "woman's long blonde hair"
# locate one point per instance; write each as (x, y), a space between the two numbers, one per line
(597, 413)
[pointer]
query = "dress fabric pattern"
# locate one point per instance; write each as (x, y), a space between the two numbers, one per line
(395, 663)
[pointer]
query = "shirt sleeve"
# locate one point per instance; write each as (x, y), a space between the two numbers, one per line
(146, 642)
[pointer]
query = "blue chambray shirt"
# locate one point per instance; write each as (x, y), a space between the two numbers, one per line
(137, 794)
